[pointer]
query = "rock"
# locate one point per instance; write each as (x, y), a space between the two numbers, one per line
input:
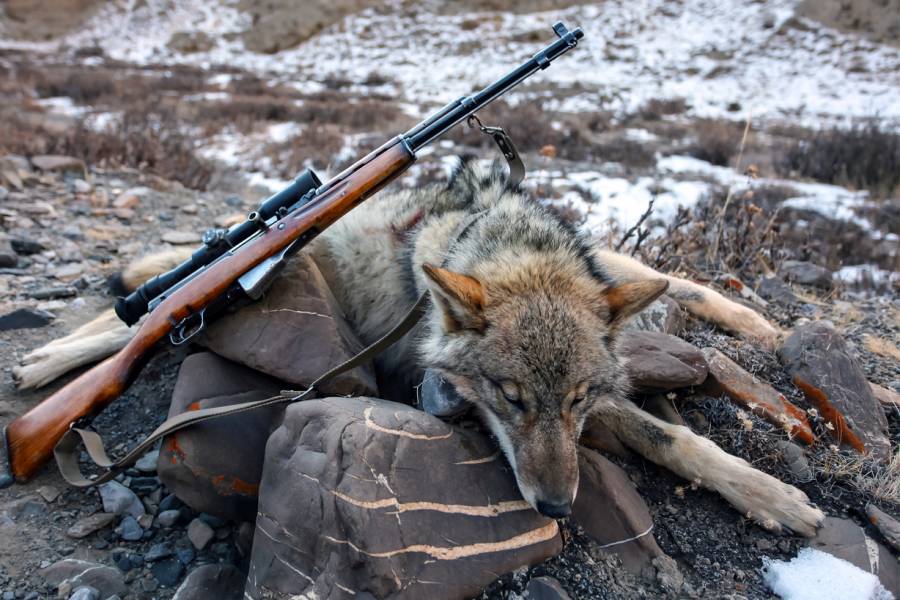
(167, 572)
(158, 552)
(806, 273)
(222, 582)
(88, 525)
(663, 315)
(263, 335)
(887, 525)
(147, 463)
(129, 529)
(48, 492)
(597, 436)
(775, 290)
(4, 193)
(80, 186)
(145, 520)
(727, 378)
(119, 500)
(26, 247)
(107, 580)
(821, 365)
(355, 471)
(57, 163)
(545, 588)
(181, 237)
(243, 541)
(889, 399)
(143, 485)
(53, 292)
(610, 511)
(200, 534)
(795, 460)
(12, 179)
(25, 318)
(24, 508)
(203, 465)
(8, 257)
(85, 593)
(845, 539)
(131, 197)
(188, 42)
(657, 361)
(168, 518)
(438, 397)
(68, 272)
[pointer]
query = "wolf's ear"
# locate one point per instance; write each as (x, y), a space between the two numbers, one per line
(631, 298)
(459, 297)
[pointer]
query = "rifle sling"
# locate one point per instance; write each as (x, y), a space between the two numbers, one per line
(67, 449)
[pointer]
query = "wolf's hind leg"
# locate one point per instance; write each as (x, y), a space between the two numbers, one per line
(699, 300)
(91, 342)
(770, 502)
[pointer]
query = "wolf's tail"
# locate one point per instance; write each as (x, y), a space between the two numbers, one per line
(99, 338)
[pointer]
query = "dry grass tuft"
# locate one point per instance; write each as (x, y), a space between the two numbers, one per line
(874, 479)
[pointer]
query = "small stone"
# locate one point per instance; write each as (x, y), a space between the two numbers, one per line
(9, 259)
(222, 582)
(211, 520)
(795, 460)
(158, 552)
(58, 163)
(144, 485)
(26, 247)
(200, 533)
(107, 580)
(147, 463)
(53, 292)
(170, 502)
(145, 521)
(663, 315)
(181, 237)
(4, 193)
(545, 588)
(119, 500)
(806, 273)
(130, 530)
(88, 525)
(48, 492)
(185, 555)
(189, 209)
(130, 198)
(148, 584)
(81, 186)
(168, 518)
(85, 593)
(25, 318)
(68, 272)
(167, 572)
(887, 525)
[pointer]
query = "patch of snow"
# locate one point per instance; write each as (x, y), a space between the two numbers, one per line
(725, 58)
(866, 274)
(816, 575)
(62, 105)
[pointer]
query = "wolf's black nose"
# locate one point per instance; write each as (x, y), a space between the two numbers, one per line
(554, 510)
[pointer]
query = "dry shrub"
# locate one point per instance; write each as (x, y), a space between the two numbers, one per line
(146, 138)
(656, 109)
(83, 87)
(717, 141)
(872, 478)
(317, 144)
(865, 156)
(532, 128)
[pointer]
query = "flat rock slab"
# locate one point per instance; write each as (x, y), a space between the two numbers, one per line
(75, 573)
(387, 501)
(845, 539)
(820, 364)
(55, 162)
(295, 333)
(663, 315)
(220, 582)
(612, 513)
(25, 318)
(659, 362)
(216, 466)
(760, 398)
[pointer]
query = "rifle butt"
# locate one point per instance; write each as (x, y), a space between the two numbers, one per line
(28, 441)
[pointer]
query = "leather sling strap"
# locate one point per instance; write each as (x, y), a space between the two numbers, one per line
(67, 449)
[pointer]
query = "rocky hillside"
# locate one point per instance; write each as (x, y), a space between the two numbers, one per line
(762, 160)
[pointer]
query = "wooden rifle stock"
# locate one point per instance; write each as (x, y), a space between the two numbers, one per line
(30, 438)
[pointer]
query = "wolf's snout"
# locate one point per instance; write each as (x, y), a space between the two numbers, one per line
(554, 510)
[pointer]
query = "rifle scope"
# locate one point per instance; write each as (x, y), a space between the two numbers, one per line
(215, 243)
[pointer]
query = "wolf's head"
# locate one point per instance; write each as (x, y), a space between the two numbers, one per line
(527, 334)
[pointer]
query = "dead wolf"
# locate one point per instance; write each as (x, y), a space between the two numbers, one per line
(524, 319)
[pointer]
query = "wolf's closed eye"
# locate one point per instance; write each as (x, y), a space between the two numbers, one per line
(510, 393)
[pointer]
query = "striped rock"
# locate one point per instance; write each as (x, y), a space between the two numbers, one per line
(372, 498)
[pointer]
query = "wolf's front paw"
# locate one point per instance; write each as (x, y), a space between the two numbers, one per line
(771, 503)
(36, 369)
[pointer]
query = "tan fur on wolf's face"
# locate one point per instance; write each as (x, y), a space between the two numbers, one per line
(534, 362)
